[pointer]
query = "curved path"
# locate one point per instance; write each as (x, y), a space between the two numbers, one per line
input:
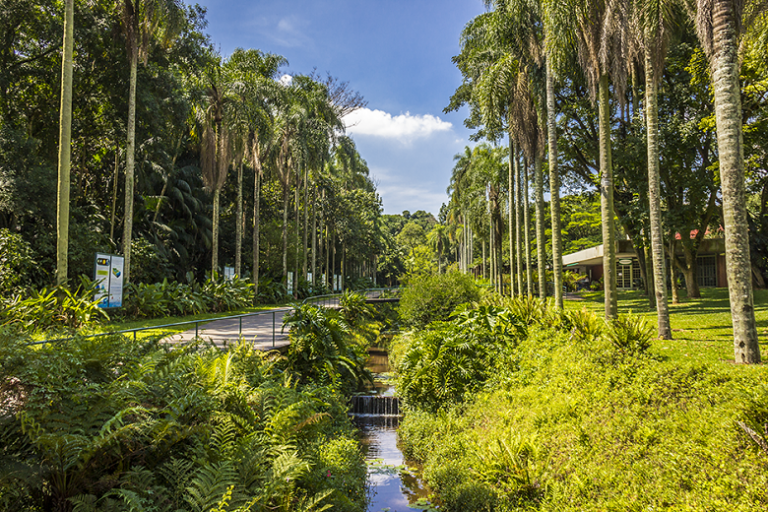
(264, 330)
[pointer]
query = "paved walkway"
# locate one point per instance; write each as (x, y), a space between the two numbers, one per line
(264, 329)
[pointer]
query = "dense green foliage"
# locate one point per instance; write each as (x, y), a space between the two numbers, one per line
(111, 424)
(432, 298)
(577, 414)
(283, 151)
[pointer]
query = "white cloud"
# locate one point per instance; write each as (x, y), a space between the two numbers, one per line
(403, 127)
(286, 80)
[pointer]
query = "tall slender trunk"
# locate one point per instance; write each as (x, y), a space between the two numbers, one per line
(129, 165)
(306, 222)
(513, 203)
(518, 225)
(541, 256)
(654, 199)
(728, 113)
(333, 262)
(296, 261)
(314, 241)
(554, 190)
(115, 180)
(672, 277)
(527, 233)
(606, 202)
(239, 222)
(649, 283)
(493, 253)
(256, 220)
(483, 259)
(284, 234)
(65, 146)
(215, 234)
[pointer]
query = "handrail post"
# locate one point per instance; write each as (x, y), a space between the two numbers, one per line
(273, 329)
(240, 332)
(134, 335)
(196, 334)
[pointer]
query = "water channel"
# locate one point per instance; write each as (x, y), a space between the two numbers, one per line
(394, 483)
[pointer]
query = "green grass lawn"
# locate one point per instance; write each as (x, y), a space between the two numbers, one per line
(701, 327)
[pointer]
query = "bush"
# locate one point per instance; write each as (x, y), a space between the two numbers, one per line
(116, 424)
(55, 309)
(433, 298)
(17, 262)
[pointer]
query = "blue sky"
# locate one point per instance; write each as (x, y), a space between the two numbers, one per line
(396, 53)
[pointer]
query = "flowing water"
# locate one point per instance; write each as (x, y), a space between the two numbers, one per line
(394, 483)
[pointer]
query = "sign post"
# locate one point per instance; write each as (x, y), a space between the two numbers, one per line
(108, 274)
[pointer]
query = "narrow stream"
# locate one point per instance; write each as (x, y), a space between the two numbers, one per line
(394, 483)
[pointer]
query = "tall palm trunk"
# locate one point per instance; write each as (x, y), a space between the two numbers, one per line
(314, 240)
(527, 234)
(512, 231)
(539, 193)
(672, 277)
(65, 145)
(483, 268)
(129, 164)
(256, 220)
(518, 226)
(297, 216)
(654, 198)
(728, 113)
(554, 190)
(239, 222)
(115, 180)
(215, 234)
(284, 234)
(606, 202)
(306, 222)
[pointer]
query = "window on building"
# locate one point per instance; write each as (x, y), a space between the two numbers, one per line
(706, 273)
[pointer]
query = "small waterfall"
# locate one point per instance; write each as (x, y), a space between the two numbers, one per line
(375, 405)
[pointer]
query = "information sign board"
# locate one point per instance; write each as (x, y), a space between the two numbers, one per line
(108, 275)
(229, 273)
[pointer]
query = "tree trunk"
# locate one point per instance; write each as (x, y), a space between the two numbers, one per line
(65, 146)
(728, 113)
(314, 241)
(606, 203)
(256, 220)
(215, 234)
(554, 191)
(512, 205)
(115, 180)
(306, 222)
(239, 222)
(672, 277)
(540, 230)
(129, 166)
(286, 196)
(527, 233)
(654, 200)
(649, 285)
(483, 259)
(518, 226)
(690, 271)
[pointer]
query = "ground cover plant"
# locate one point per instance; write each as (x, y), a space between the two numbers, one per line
(115, 424)
(572, 413)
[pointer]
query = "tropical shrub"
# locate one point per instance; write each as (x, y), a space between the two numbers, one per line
(322, 348)
(55, 309)
(434, 297)
(109, 423)
(18, 262)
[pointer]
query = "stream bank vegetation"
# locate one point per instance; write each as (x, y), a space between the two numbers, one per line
(112, 423)
(514, 404)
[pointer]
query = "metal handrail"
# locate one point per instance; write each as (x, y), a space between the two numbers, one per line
(204, 321)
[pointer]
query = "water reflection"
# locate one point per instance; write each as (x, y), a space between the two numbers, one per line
(389, 486)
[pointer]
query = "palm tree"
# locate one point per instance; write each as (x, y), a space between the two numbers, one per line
(253, 75)
(142, 19)
(65, 145)
(653, 19)
(438, 240)
(216, 142)
(719, 24)
(600, 37)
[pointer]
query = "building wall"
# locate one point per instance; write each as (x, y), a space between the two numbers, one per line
(722, 277)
